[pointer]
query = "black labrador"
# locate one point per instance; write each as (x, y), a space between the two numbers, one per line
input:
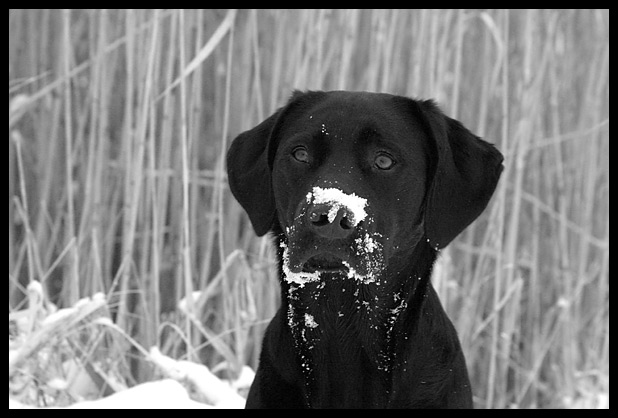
(360, 191)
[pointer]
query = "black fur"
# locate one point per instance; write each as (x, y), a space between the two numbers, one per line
(369, 332)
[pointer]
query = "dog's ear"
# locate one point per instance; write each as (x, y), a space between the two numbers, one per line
(249, 174)
(249, 165)
(466, 174)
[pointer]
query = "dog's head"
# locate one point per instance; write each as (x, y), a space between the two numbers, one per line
(356, 180)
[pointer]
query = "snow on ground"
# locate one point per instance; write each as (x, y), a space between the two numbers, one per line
(161, 394)
(42, 370)
(214, 391)
(167, 393)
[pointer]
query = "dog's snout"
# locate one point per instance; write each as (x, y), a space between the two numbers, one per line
(330, 221)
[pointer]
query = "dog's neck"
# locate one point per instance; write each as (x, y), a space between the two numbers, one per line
(344, 331)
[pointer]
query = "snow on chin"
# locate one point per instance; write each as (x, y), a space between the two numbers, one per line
(368, 250)
(300, 278)
(338, 199)
(310, 321)
(362, 278)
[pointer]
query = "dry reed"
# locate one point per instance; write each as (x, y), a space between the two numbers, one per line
(118, 121)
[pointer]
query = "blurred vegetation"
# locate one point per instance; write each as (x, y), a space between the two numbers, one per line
(119, 121)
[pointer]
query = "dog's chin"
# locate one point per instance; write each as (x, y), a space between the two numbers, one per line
(363, 261)
(326, 263)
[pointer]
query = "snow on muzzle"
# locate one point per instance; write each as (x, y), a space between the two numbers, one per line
(358, 255)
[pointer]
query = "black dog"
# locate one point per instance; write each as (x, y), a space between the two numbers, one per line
(361, 191)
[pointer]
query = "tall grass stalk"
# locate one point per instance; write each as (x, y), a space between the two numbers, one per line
(119, 121)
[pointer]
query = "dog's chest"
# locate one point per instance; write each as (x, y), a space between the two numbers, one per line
(342, 334)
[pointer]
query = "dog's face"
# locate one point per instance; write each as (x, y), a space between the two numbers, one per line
(349, 176)
(354, 181)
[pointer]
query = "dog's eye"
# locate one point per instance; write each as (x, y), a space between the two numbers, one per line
(301, 154)
(384, 162)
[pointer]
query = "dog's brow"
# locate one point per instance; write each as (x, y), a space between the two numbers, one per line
(371, 134)
(368, 130)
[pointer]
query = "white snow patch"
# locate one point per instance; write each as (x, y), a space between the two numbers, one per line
(162, 394)
(79, 311)
(216, 392)
(184, 303)
(300, 278)
(310, 321)
(245, 378)
(370, 250)
(338, 199)
(353, 274)
(13, 404)
(35, 290)
(368, 244)
(59, 316)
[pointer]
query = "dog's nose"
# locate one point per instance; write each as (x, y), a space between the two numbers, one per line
(330, 221)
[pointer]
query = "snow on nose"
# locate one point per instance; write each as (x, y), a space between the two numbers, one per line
(337, 200)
